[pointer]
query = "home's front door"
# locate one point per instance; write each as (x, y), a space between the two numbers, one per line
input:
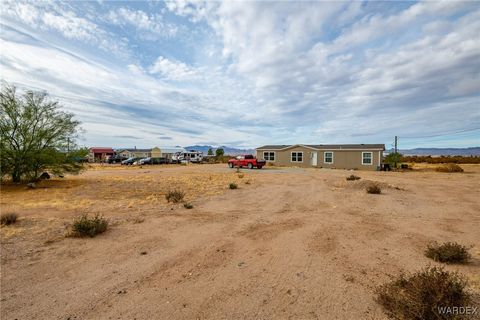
(314, 158)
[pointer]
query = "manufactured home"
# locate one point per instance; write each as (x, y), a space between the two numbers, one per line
(335, 156)
(155, 152)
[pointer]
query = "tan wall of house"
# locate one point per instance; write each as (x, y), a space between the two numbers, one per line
(156, 152)
(342, 159)
(135, 154)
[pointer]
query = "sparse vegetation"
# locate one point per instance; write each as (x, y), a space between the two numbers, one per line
(420, 295)
(353, 177)
(188, 205)
(175, 196)
(86, 226)
(373, 188)
(441, 159)
(35, 131)
(248, 182)
(449, 252)
(233, 185)
(8, 218)
(241, 175)
(449, 167)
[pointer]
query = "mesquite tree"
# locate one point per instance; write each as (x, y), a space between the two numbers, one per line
(36, 136)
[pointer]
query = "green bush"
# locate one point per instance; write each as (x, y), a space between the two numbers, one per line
(353, 177)
(8, 218)
(233, 185)
(449, 252)
(374, 189)
(175, 196)
(420, 296)
(86, 226)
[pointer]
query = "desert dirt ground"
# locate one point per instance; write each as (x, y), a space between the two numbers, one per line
(289, 243)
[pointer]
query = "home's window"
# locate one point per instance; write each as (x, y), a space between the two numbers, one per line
(269, 156)
(367, 158)
(328, 157)
(297, 156)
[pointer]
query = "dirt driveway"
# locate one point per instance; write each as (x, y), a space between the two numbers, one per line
(287, 244)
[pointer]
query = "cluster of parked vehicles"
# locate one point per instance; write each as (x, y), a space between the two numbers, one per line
(179, 157)
(243, 161)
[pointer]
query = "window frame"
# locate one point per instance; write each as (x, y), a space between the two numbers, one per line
(325, 157)
(371, 158)
(297, 153)
(270, 153)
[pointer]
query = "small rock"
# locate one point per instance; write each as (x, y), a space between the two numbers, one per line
(143, 252)
(31, 185)
(241, 264)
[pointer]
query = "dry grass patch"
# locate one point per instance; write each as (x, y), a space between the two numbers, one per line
(86, 226)
(373, 188)
(353, 177)
(449, 167)
(449, 252)
(175, 196)
(8, 218)
(420, 296)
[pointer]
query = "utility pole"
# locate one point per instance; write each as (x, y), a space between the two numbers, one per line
(396, 139)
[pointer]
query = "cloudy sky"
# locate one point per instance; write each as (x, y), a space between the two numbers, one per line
(250, 73)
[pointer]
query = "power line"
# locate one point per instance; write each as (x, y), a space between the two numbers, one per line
(440, 135)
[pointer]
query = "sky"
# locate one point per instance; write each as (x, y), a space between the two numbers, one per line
(249, 73)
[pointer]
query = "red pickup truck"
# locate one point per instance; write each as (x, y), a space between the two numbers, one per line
(247, 160)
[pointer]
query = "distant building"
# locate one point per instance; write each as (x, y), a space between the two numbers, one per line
(97, 154)
(136, 153)
(155, 152)
(339, 156)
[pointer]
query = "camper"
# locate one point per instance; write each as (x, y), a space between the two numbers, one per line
(188, 156)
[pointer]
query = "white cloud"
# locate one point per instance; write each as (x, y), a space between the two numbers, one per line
(142, 21)
(173, 70)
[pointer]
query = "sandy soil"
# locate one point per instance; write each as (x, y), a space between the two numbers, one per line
(289, 244)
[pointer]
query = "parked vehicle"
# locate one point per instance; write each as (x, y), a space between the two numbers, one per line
(151, 160)
(248, 161)
(189, 156)
(130, 161)
(117, 159)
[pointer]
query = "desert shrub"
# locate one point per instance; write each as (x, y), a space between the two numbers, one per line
(241, 175)
(442, 159)
(86, 226)
(188, 205)
(449, 252)
(420, 296)
(373, 188)
(174, 196)
(8, 218)
(449, 167)
(353, 177)
(248, 182)
(233, 185)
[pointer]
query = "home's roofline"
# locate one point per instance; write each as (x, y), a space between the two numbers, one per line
(343, 147)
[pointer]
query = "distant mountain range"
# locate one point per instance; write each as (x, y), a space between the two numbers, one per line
(228, 150)
(473, 151)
